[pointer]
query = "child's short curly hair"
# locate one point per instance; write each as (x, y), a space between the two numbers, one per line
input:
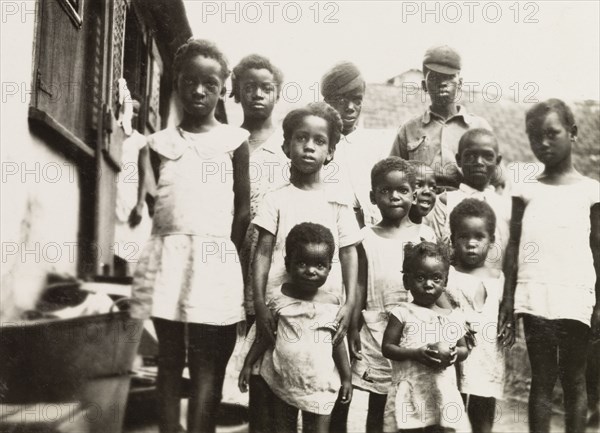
(309, 233)
(471, 135)
(414, 253)
(253, 61)
(318, 109)
(389, 164)
(535, 115)
(199, 47)
(473, 208)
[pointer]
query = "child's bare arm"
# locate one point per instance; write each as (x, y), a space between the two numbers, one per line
(392, 350)
(460, 352)
(340, 357)
(241, 189)
(349, 262)
(506, 320)
(144, 170)
(257, 349)
(260, 272)
(356, 322)
(595, 246)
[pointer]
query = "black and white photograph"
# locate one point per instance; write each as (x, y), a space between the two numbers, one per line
(299, 216)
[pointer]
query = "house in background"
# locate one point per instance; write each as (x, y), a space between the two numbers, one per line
(61, 144)
(394, 103)
(410, 79)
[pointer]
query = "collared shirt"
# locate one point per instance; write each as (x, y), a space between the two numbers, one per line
(439, 218)
(350, 171)
(434, 141)
(269, 168)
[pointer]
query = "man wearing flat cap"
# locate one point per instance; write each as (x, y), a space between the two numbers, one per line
(432, 137)
(343, 87)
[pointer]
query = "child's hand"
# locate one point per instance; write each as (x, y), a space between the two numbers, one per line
(265, 323)
(135, 217)
(427, 356)
(470, 337)
(244, 378)
(346, 392)
(453, 355)
(506, 325)
(342, 320)
(354, 343)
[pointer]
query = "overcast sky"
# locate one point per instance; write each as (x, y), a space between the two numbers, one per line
(544, 49)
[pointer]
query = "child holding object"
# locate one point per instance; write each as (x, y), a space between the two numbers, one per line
(380, 286)
(423, 340)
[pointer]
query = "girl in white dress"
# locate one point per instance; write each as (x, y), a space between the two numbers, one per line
(189, 278)
(310, 137)
(302, 367)
(423, 341)
(476, 290)
(553, 268)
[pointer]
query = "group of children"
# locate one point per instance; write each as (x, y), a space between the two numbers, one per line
(413, 307)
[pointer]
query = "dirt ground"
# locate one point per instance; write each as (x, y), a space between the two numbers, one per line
(511, 416)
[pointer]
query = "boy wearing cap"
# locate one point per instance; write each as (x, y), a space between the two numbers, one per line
(432, 138)
(343, 87)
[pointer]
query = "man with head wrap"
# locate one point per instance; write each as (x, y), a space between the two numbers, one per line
(343, 87)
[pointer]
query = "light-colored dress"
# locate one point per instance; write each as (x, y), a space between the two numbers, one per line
(128, 240)
(439, 219)
(300, 369)
(385, 290)
(482, 373)
(556, 275)
(420, 395)
(268, 171)
(190, 270)
(288, 206)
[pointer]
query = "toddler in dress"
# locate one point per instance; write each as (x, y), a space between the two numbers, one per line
(476, 290)
(302, 367)
(423, 340)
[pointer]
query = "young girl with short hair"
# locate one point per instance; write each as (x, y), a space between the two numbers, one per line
(256, 86)
(188, 277)
(302, 368)
(476, 290)
(553, 267)
(310, 136)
